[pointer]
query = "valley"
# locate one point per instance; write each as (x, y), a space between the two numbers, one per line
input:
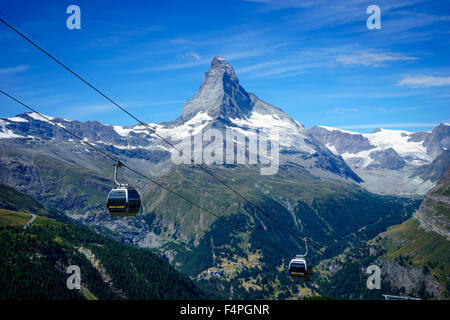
(342, 190)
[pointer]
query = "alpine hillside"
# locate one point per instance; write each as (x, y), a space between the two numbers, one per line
(391, 161)
(413, 256)
(314, 192)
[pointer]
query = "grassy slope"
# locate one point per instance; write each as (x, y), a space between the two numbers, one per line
(34, 261)
(428, 250)
(53, 182)
(407, 245)
(70, 179)
(12, 199)
(418, 249)
(13, 218)
(331, 213)
(292, 185)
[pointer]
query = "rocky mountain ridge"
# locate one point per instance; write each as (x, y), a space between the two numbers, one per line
(391, 161)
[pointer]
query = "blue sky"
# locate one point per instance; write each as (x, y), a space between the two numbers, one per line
(317, 60)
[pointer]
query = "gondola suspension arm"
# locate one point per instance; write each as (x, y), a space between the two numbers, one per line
(306, 252)
(116, 166)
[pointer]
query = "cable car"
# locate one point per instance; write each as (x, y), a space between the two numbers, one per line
(299, 268)
(123, 201)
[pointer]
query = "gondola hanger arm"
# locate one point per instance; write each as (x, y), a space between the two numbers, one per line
(116, 166)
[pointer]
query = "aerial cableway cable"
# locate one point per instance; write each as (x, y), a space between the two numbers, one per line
(115, 160)
(152, 130)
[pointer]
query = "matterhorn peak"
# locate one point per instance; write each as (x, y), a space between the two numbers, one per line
(218, 61)
(222, 97)
(221, 67)
(220, 94)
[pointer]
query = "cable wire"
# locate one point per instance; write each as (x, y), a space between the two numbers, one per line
(141, 174)
(150, 129)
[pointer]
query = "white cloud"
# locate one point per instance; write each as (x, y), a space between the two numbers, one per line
(391, 125)
(314, 58)
(182, 41)
(392, 109)
(88, 110)
(163, 102)
(343, 110)
(424, 81)
(258, 66)
(202, 61)
(174, 66)
(194, 55)
(371, 58)
(14, 70)
(261, 1)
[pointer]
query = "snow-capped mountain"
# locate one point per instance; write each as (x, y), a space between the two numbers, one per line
(220, 94)
(384, 162)
(389, 161)
(53, 167)
(221, 103)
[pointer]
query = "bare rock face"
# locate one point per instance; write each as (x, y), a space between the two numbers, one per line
(387, 158)
(220, 65)
(341, 141)
(220, 94)
(434, 211)
(412, 280)
(434, 170)
(418, 136)
(438, 140)
(393, 162)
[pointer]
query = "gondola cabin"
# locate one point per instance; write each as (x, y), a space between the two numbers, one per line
(300, 269)
(123, 202)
